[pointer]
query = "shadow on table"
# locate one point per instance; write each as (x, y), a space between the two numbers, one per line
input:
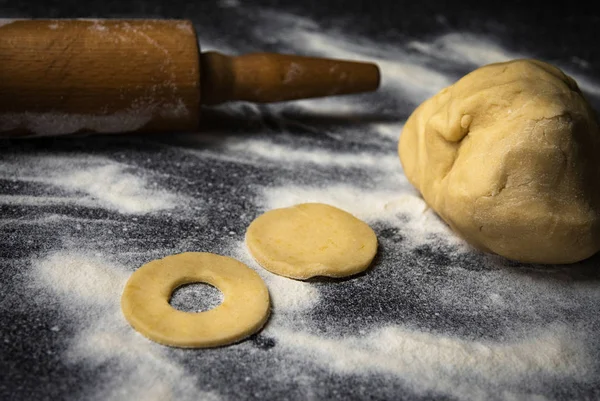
(586, 270)
(216, 126)
(374, 264)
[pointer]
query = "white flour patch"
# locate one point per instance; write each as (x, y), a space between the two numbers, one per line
(146, 371)
(51, 218)
(581, 63)
(464, 48)
(287, 295)
(402, 69)
(47, 124)
(90, 182)
(279, 153)
(371, 206)
(398, 207)
(330, 107)
(98, 25)
(27, 200)
(141, 112)
(229, 3)
(291, 295)
(294, 72)
(6, 21)
(90, 288)
(469, 48)
(117, 189)
(389, 131)
(185, 27)
(585, 84)
(282, 21)
(217, 44)
(88, 279)
(434, 362)
(399, 70)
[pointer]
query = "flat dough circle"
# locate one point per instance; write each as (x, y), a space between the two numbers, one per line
(244, 310)
(311, 239)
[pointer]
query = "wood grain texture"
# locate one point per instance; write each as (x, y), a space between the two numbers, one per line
(270, 77)
(68, 76)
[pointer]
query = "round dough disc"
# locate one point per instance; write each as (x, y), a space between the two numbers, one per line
(245, 308)
(311, 239)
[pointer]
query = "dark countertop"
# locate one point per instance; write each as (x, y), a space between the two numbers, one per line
(432, 318)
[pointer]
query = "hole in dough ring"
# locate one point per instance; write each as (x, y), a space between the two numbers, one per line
(311, 239)
(244, 310)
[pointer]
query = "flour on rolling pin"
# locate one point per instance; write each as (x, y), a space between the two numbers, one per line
(62, 77)
(6, 21)
(110, 76)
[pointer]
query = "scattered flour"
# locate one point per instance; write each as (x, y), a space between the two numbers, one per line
(402, 70)
(399, 71)
(6, 21)
(88, 279)
(42, 124)
(185, 27)
(278, 153)
(196, 297)
(48, 124)
(464, 48)
(365, 204)
(287, 296)
(28, 200)
(117, 189)
(229, 3)
(97, 25)
(389, 131)
(90, 182)
(329, 107)
(398, 207)
(477, 50)
(426, 361)
(90, 287)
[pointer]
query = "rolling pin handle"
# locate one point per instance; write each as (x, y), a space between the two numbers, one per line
(270, 77)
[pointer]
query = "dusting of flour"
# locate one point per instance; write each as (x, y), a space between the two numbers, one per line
(439, 362)
(432, 318)
(87, 181)
(144, 370)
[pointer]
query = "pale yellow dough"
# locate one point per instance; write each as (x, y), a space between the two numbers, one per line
(509, 157)
(311, 239)
(245, 308)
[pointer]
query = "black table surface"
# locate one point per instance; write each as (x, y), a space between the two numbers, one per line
(431, 319)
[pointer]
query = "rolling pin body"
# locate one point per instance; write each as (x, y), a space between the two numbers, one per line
(60, 77)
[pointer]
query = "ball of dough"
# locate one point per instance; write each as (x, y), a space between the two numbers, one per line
(509, 157)
(311, 239)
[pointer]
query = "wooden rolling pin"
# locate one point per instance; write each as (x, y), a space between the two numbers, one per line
(109, 76)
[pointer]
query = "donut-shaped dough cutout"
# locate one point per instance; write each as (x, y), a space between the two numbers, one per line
(311, 239)
(244, 310)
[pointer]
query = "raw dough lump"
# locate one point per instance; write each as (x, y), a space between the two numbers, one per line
(509, 157)
(311, 239)
(244, 310)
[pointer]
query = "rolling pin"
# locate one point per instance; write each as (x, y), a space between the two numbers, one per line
(111, 76)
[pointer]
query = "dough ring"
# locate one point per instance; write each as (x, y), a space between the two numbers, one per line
(311, 239)
(245, 307)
